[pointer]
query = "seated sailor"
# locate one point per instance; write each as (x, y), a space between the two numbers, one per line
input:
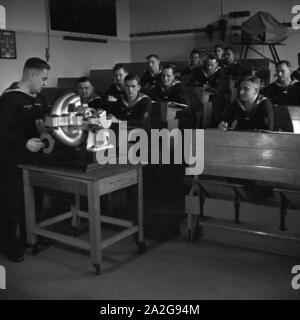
(210, 73)
(169, 88)
(86, 92)
(231, 66)
(296, 73)
(116, 90)
(251, 110)
(195, 62)
(134, 107)
(215, 74)
(219, 53)
(152, 76)
(283, 91)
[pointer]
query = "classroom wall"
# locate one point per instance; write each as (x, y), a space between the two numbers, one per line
(28, 19)
(163, 15)
(67, 58)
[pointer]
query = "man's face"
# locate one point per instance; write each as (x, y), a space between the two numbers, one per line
(248, 91)
(119, 76)
(195, 59)
(85, 90)
(167, 77)
(39, 80)
(132, 88)
(229, 56)
(283, 72)
(212, 65)
(153, 64)
(219, 53)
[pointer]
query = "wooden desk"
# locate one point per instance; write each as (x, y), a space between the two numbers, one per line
(232, 159)
(93, 184)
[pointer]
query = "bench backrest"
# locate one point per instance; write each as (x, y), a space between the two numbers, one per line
(53, 93)
(269, 157)
(287, 118)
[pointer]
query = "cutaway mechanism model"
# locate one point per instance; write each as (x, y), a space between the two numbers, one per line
(73, 124)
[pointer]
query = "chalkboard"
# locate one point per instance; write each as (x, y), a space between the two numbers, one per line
(97, 17)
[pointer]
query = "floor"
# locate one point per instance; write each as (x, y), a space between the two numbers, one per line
(171, 268)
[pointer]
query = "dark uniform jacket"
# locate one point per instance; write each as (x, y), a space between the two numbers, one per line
(296, 74)
(260, 117)
(115, 91)
(176, 93)
(18, 114)
(137, 115)
(94, 101)
(188, 70)
(149, 81)
(283, 95)
(235, 70)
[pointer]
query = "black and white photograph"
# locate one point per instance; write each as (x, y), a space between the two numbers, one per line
(149, 153)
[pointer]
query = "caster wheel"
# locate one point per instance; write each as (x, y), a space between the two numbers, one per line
(141, 247)
(35, 249)
(97, 269)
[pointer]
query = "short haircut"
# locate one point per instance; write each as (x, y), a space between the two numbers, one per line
(119, 66)
(286, 62)
(131, 77)
(152, 55)
(230, 49)
(252, 79)
(84, 79)
(218, 46)
(170, 66)
(195, 51)
(212, 56)
(36, 63)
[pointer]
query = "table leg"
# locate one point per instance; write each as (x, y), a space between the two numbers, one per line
(141, 243)
(29, 209)
(95, 225)
(75, 222)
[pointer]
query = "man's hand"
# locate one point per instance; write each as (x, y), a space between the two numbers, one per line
(223, 125)
(111, 99)
(234, 125)
(34, 145)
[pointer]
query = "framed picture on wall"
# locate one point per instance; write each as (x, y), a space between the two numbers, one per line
(8, 49)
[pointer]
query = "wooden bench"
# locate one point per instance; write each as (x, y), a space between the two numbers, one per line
(240, 164)
(287, 118)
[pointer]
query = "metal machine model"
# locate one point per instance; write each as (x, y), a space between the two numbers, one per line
(74, 128)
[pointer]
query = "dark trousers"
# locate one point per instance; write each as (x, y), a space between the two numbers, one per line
(12, 208)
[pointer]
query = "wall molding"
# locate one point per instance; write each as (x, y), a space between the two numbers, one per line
(61, 34)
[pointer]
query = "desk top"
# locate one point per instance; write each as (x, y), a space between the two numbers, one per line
(102, 172)
(260, 43)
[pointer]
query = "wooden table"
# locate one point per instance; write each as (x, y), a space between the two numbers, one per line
(93, 184)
